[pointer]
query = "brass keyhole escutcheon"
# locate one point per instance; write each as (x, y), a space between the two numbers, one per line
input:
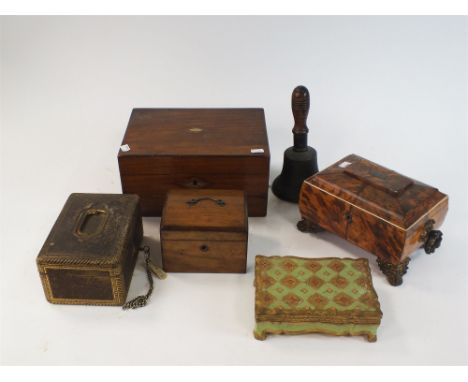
(204, 248)
(194, 183)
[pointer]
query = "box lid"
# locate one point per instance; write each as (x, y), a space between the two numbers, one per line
(226, 132)
(327, 290)
(393, 197)
(92, 229)
(205, 210)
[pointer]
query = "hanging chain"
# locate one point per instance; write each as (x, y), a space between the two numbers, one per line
(141, 301)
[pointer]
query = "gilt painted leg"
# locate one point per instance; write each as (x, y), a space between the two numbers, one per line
(371, 337)
(260, 335)
(394, 272)
(306, 226)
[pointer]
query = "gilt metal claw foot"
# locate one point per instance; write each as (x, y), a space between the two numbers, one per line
(394, 272)
(306, 226)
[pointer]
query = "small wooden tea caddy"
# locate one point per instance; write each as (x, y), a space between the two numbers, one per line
(204, 231)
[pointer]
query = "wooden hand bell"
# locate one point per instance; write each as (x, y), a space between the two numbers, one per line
(300, 160)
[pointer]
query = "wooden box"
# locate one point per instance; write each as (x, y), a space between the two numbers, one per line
(295, 295)
(90, 253)
(375, 208)
(204, 231)
(195, 148)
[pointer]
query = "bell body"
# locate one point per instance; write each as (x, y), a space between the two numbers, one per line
(297, 166)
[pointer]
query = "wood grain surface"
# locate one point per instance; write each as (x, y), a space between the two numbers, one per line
(204, 231)
(195, 148)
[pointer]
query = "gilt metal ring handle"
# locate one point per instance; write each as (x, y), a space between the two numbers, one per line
(430, 237)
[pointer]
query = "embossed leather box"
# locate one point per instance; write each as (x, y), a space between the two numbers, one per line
(379, 210)
(204, 231)
(192, 149)
(90, 253)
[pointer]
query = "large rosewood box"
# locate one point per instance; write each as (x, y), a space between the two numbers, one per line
(379, 210)
(195, 148)
(89, 256)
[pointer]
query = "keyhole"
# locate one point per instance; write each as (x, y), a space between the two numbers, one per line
(195, 182)
(204, 248)
(348, 217)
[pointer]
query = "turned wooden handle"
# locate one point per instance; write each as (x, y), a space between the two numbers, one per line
(300, 102)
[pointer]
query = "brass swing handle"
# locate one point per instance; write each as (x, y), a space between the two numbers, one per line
(219, 202)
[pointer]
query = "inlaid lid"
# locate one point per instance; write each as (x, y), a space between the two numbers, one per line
(327, 290)
(207, 132)
(393, 197)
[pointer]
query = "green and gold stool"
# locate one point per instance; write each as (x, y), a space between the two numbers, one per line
(295, 295)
